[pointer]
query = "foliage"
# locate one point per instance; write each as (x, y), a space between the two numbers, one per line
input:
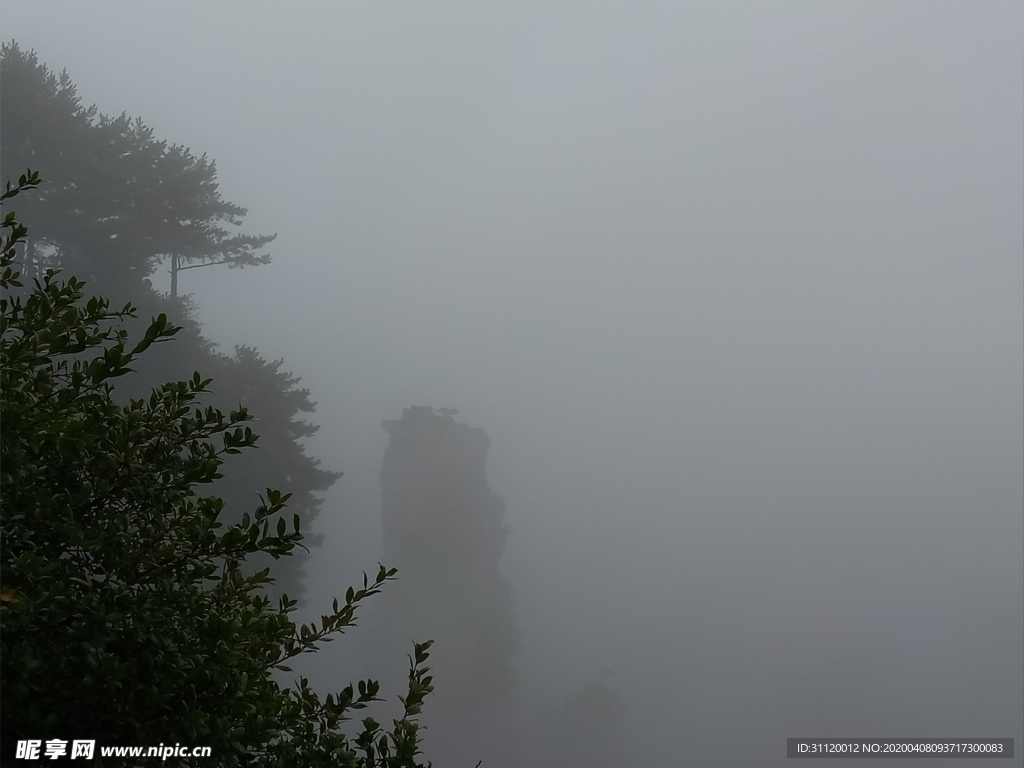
(126, 615)
(117, 204)
(277, 398)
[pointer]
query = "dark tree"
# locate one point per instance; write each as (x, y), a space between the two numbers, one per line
(117, 204)
(148, 201)
(276, 396)
(126, 616)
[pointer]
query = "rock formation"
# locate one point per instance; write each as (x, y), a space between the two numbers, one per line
(444, 531)
(586, 730)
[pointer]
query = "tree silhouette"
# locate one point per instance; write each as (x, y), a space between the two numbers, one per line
(118, 203)
(126, 616)
(148, 201)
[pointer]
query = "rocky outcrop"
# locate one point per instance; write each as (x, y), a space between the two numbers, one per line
(444, 531)
(437, 508)
(587, 729)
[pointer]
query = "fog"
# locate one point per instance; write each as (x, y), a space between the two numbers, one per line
(735, 290)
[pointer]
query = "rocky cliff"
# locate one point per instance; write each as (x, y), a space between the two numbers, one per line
(444, 531)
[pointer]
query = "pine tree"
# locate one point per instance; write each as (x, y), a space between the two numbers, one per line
(126, 615)
(148, 201)
(117, 204)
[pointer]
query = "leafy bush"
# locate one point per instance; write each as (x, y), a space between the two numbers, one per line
(127, 616)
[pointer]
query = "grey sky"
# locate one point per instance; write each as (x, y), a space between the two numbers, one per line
(734, 288)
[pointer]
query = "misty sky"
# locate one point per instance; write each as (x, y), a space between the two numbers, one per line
(735, 289)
